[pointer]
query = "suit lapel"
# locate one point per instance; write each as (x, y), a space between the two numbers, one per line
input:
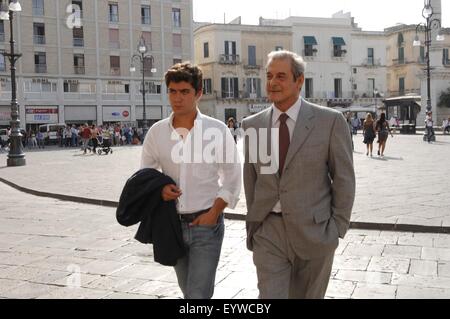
(303, 128)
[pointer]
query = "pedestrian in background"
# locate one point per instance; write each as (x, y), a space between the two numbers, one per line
(383, 130)
(40, 139)
(429, 123)
(369, 133)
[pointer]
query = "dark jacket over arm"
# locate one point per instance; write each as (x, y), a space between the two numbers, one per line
(141, 202)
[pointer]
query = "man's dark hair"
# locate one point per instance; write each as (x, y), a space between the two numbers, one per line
(185, 72)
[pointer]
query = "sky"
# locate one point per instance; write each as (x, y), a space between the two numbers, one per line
(373, 15)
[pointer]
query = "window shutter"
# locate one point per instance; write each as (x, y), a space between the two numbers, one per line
(236, 87)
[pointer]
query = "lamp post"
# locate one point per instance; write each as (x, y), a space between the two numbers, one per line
(16, 156)
(142, 57)
(431, 24)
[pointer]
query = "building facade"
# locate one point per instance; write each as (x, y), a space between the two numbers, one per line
(76, 58)
(346, 66)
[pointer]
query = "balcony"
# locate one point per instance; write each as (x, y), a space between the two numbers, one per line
(371, 62)
(40, 68)
(79, 70)
(254, 65)
(310, 53)
(399, 61)
(421, 60)
(78, 42)
(403, 92)
(39, 39)
(231, 59)
(115, 71)
(339, 53)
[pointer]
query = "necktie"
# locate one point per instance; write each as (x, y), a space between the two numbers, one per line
(284, 141)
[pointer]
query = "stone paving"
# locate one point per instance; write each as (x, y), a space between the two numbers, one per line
(57, 249)
(409, 186)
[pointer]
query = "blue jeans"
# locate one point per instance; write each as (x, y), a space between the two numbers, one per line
(196, 272)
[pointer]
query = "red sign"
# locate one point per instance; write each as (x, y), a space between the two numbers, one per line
(42, 111)
(125, 113)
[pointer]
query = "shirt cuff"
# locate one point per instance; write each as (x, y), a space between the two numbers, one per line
(229, 198)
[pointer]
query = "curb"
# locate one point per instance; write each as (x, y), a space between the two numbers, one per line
(237, 217)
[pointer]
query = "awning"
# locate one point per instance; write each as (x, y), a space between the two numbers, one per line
(310, 40)
(338, 41)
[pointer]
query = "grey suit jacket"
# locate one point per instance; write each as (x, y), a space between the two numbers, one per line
(317, 187)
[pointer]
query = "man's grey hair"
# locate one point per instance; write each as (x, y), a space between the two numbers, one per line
(297, 62)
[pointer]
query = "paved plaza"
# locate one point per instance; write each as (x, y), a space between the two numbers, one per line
(60, 249)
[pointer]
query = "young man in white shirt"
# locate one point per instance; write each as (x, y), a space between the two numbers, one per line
(207, 182)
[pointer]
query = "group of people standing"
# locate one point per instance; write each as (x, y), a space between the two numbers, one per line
(370, 130)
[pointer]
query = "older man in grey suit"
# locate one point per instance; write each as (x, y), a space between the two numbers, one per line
(297, 212)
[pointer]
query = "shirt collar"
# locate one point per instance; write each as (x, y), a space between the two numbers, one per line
(293, 111)
(199, 117)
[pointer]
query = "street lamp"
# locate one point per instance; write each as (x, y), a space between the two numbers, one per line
(142, 57)
(430, 25)
(16, 156)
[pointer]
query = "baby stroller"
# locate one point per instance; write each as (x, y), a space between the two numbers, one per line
(104, 146)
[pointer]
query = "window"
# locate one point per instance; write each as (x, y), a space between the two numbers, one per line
(338, 43)
(371, 87)
(78, 37)
(370, 56)
(338, 88)
(400, 40)
(401, 86)
(114, 39)
(176, 61)
(176, 17)
(114, 62)
(278, 48)
(78, 63)
(78, 8)
(2, 31)
(145, 15)
(309, 42)
(445, 57)
(206, 50)
(401, 55)
(2, 63)
(422, 55)
(148, 66)
(176, 38)
(230, 88)
(40, 62)
(115, 87)
(38, 7)
(309, 90)
(151, 87)
(355, 70)
(252, 55)
(207, 86)
(253, 88)
(113, 12)
(230, 51)
(147, 38)
(40, 85)
(38, 33)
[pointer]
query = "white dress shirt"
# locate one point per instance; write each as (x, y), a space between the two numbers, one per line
(291, 122)
(201, 182)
